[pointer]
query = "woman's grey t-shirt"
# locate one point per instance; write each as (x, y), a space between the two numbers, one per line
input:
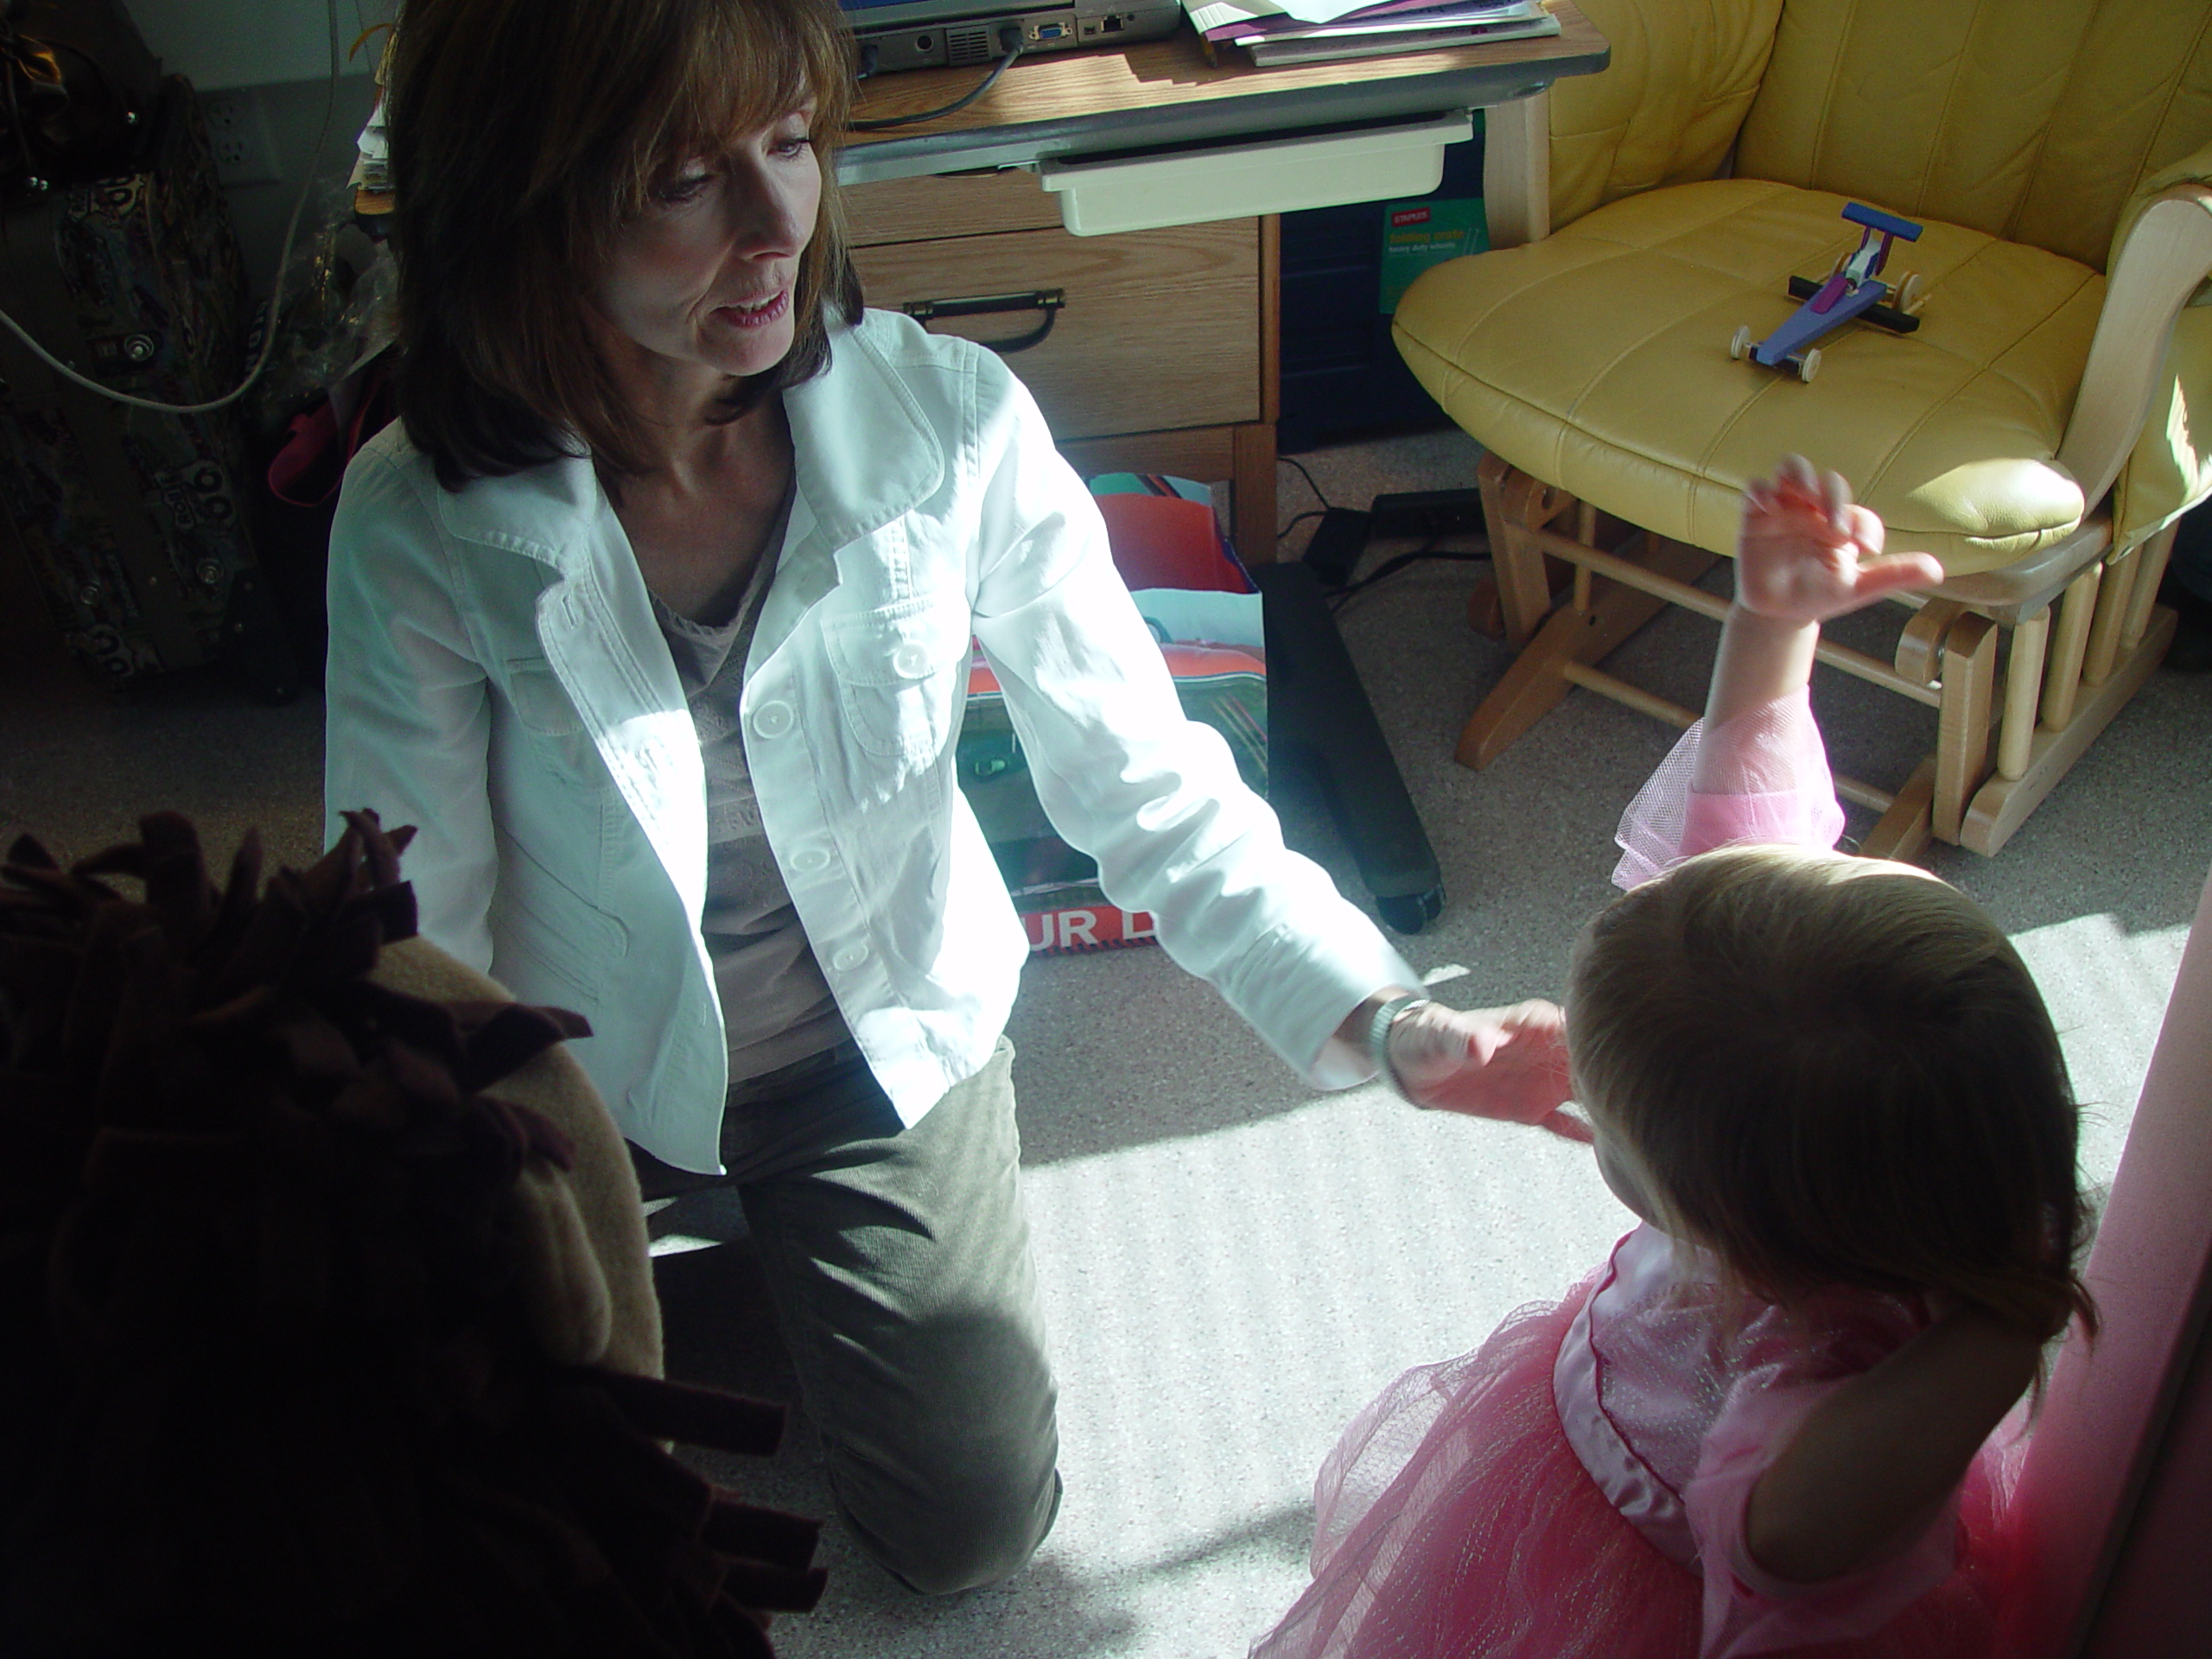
(776, 1005)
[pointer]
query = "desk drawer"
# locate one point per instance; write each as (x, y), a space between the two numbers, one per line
(953, 204)
(1160, 329)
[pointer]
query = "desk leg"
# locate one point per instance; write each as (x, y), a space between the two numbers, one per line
(1252, 479)
(1253, 475)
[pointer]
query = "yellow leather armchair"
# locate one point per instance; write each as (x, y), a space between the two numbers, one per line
(2034, 433)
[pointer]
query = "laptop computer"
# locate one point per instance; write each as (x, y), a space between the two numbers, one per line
(935, 33)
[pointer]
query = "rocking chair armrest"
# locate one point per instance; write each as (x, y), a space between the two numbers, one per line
(2012, 593)
(2166, 256)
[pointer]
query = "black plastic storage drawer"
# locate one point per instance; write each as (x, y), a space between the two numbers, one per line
(1341, 374)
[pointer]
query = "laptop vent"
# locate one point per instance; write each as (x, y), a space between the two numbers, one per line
(970, 43)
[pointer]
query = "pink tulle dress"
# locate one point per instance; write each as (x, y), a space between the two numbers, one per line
(1575, 1488)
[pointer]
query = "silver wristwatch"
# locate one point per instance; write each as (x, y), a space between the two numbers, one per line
(1378, 1036)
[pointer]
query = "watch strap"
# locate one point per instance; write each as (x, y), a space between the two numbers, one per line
(1378, 1035)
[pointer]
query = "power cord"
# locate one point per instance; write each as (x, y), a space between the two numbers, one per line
(1390, 567)
(1009, 44)
(1292, 460)
(275, 289)
(1325, 508)
(1312, 512)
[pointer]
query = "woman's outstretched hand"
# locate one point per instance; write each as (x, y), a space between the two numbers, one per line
(1509, 1064)
(1807, 552)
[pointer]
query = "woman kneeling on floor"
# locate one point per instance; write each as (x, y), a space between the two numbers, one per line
(653, 613)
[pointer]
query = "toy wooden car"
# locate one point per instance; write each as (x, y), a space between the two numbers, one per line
(1854, 288)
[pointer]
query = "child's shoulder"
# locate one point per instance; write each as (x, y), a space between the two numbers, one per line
(1834, 1333)
(1684, 1304)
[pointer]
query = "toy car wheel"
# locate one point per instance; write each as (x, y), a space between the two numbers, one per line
(1810, 365)
(1739, 347)
(1911, 294)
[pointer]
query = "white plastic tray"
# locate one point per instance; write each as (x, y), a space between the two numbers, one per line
(1239, 181)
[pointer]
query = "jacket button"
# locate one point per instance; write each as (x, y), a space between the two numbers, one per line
(808, 860)
(849, 957)
(909, 662)
(772, 719)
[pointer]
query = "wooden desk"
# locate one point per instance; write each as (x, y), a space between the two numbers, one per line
(1163, 358)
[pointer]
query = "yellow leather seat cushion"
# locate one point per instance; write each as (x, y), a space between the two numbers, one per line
(1597, 359)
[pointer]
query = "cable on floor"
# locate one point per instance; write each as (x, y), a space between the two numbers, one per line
(1391, 567)
(1283, 534)
(1292, 460)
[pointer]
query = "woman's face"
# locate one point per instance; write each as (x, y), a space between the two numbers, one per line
(707, 274)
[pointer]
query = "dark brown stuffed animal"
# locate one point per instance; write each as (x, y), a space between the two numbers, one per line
(326, 1325)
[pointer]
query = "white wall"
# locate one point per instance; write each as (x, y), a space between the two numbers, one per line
(225, 44)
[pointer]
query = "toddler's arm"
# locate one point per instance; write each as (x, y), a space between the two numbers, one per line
(1805, 553)
(1753, 770)
(1876, 1460)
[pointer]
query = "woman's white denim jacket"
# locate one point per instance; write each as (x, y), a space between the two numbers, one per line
(497, 679)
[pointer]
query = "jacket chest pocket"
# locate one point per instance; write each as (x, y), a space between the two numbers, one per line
(901, 671)
(553, 728)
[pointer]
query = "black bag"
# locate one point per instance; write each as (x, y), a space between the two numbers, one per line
(77, 89)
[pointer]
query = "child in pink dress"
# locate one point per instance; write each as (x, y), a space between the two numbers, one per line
(1832, 1091)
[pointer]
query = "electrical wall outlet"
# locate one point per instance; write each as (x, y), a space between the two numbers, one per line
(239, 132)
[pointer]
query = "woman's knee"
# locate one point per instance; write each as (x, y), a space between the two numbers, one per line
(973, 1529)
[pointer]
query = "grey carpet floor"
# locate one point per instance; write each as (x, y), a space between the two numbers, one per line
(1233, 1264)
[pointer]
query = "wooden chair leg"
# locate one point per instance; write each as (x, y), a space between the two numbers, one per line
(2070, 642)
(1902, 833)
(1486, 605)
(2154, 554)
(2113, 596)
(2023, 690)
(2002, 805)
(1534, 684)
(1511, 501)
(1963, 720)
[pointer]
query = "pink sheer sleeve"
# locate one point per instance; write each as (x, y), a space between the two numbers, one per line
(1775, 789)
(1749, 1611)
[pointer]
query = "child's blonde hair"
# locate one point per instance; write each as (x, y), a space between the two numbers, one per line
(1836, 1070)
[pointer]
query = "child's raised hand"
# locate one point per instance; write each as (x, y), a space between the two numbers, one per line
(1807, 553)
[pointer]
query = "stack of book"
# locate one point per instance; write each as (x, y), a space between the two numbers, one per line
(1280, 32)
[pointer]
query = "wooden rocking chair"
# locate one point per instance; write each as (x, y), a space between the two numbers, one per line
(2033, 432)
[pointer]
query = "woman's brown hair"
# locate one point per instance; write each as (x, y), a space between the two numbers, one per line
(524, 134)
(1836, 1071)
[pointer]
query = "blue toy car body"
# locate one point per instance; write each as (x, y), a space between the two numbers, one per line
(1854, 289)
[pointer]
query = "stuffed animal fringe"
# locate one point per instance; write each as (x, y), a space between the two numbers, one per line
(273, 1373)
